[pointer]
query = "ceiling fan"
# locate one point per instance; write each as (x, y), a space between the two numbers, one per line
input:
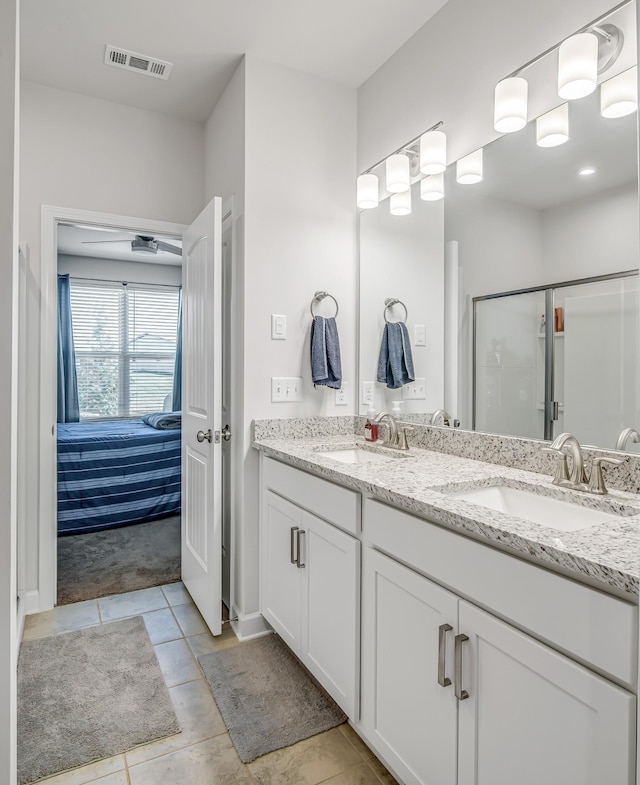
(143, 243)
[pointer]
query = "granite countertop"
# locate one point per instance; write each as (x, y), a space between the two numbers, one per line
(417, 480)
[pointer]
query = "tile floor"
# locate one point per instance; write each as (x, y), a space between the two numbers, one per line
(203, 753)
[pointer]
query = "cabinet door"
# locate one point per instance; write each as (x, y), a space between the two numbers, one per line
(408, 717)
(534, 716)
(280, 578)
(331, 610)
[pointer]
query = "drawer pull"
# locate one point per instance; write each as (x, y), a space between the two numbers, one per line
(299, 535)
(443, 681)
(294, 558)
(458, 641)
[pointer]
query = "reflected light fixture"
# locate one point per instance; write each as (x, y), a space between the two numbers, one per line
(510, 105)
(398, 177)
(400, 203)
(469, 168)
(552, 128)
(367, 191)
(433, 152)
(619, 95)
(432, 188)
(586, 171)
(578, 66)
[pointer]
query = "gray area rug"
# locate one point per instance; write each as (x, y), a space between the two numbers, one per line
(115, 561)
(87, 695)
(267, 699)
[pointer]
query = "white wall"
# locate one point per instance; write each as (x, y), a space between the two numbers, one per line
(9, 156)
(118, 270)
(89, 154)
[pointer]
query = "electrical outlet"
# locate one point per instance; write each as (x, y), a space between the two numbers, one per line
(367, 393)
(278, 327)
(420, 335)
(415, 391)
(341, 395)
(286, 388)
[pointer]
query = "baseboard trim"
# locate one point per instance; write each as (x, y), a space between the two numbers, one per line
(31, 602)
(249, 626)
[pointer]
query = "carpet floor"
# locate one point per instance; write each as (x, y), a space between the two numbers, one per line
(116, 561)
(267, 699)
(87, 695)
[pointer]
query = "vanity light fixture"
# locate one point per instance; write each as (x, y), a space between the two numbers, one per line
(398, 178)
(400, 203)
(433, 152)
(469, 168)
(510, 105)
(619, 95)
(367, 191)
(432, 188)
(578, 66)
(552, 128)
(586, 171)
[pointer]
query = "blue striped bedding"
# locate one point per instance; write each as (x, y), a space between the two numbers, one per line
(116, 473)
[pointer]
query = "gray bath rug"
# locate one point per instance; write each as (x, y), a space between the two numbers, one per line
(87, 695)
(116, 561)
(267, 699)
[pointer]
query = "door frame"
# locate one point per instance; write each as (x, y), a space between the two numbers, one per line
(47, 497)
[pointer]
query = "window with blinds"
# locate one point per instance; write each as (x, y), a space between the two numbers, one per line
(125, 342)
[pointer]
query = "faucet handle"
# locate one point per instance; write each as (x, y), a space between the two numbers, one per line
(562, 468)
(402, 437)
(596, 483)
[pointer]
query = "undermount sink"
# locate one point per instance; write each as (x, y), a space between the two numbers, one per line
(531, 506)
(355, 455)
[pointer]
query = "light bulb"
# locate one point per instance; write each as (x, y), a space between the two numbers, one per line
(578, 66)
(510, 105)
(469, 168)
(367, 190)
(552, 128)
(619, 96)
(398, 177)
(400, 203)
(433, 152)
(432, 188)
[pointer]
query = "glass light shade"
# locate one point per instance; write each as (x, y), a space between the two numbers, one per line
(400, 203)
(433, 152)
(578, 66)
(367, 190)
(432, 188)
(619, 96)
(469, 168)
(510, 105)
(552, 128)
(398, 177)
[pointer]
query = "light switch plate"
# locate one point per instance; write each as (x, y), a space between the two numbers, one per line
(367, 393)
(420, 335)
(278, 327)
(415, 391)
(285, 389)
(342, 395)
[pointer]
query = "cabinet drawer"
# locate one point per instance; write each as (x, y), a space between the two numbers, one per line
(337, 505)
(592, 626)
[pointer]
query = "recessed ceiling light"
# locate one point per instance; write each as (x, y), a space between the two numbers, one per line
(586, 171)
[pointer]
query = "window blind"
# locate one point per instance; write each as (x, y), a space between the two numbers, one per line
(125, 342)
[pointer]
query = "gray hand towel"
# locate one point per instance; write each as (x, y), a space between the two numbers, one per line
(326, 367)
(395, 362)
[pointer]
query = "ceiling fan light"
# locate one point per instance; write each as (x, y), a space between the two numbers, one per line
(578, 66)
(367, 191)
(510, 105)
(552, 128)
(619, 95)
(433, 152)
(398, 177)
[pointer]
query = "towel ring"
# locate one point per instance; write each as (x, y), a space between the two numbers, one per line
(317, 297)
(389, 303)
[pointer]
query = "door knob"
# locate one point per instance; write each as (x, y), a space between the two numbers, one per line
(202, 435)
(226, 433)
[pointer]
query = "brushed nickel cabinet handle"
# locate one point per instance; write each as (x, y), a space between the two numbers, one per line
(293, 557)
(458, 641)
(443, 629)
(300, 533)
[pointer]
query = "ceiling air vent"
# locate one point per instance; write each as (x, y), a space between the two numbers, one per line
(134, 61)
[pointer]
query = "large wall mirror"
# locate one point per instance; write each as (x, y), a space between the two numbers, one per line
(533, 271)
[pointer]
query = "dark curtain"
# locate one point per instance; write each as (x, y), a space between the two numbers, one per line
(68, 404)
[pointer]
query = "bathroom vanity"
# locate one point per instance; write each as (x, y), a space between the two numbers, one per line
(461, 641)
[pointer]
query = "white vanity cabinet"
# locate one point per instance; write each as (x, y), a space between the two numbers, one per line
(451, 694)
(310, 577)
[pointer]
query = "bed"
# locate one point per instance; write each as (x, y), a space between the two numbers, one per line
(116, 473)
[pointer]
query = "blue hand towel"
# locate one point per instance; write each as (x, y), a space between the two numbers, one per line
(326, 367)
(163, 421)
(395, 363)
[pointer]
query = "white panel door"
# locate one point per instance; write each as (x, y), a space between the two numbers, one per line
(409, 711)
(534, 716)
(330, 645)
(201, 413)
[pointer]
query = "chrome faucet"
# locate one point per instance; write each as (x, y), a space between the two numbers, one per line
(578, 479)
(395, 437)
(628, 433)
(446, 417)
